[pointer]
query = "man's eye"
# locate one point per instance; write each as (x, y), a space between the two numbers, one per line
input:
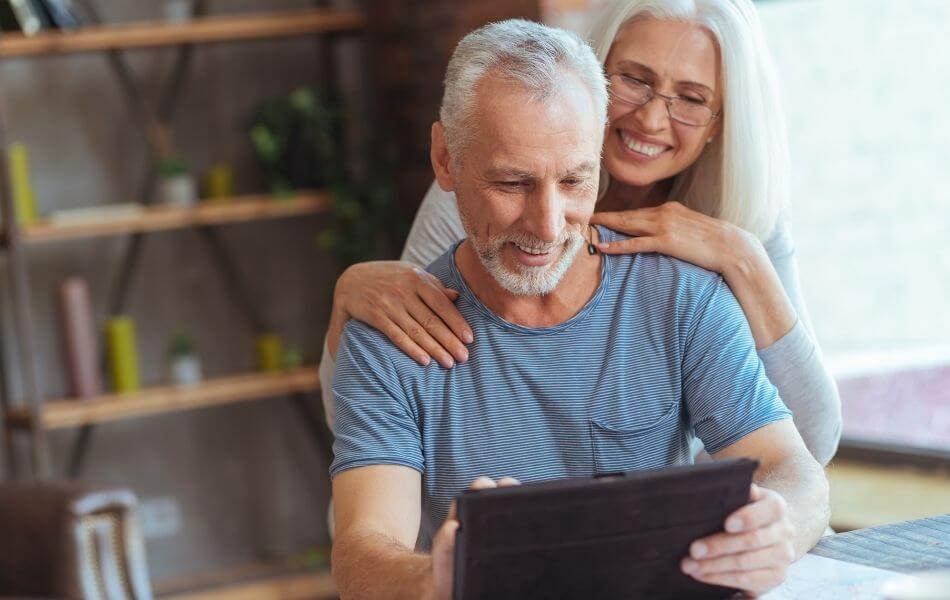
(512, 184)
(572, 182)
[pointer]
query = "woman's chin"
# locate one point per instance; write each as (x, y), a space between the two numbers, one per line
(635, 175)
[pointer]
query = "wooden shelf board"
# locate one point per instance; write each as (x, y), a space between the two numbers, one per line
(64, 413)
(158, 218)
(222, 28)
(254, 582)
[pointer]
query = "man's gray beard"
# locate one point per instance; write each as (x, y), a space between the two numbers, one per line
(528, 281)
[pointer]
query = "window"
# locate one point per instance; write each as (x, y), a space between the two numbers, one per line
(868, 112)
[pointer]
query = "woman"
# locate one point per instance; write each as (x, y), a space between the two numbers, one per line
(695, 166)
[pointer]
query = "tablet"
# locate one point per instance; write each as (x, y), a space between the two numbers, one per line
(614, 536)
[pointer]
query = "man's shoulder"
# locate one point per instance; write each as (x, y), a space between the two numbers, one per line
(659, 272)
(443, 267)
(364, 342)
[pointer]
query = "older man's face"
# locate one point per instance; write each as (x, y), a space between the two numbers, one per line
(527, 183)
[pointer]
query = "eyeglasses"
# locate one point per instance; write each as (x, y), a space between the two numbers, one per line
(683, 110)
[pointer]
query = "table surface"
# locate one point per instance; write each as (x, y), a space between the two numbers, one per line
(916, 545)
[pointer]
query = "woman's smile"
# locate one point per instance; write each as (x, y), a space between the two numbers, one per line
(640, 147)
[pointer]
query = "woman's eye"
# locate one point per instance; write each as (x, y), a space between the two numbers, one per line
(692, 100)
(634, 80)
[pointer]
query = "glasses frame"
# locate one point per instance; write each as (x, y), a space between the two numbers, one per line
(667, 100)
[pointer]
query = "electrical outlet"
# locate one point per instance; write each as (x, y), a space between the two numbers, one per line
(159, 517)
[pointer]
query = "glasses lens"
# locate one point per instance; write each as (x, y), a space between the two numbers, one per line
(690, 113)
(630, 90)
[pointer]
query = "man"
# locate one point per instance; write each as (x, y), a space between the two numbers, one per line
(581, 363)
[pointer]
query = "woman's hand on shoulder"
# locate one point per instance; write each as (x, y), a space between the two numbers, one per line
(407, 304)
(683, 233)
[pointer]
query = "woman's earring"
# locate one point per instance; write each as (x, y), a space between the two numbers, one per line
(708, 140)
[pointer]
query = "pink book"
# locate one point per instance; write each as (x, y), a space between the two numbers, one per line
(79, 338)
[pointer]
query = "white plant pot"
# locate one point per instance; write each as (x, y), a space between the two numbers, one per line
(185, 370)
(178, 190)
(176, 10)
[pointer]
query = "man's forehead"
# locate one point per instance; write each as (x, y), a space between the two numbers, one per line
(515, 130)
(499, 166)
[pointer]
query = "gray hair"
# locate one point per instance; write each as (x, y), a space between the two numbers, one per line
(525, 52)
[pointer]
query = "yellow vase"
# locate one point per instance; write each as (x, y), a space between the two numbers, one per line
(269, 353)
(123, 354)
(23, 197)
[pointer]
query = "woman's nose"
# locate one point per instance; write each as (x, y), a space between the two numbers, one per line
(653, 115)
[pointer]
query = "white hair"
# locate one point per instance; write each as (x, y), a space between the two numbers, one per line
(522, 280)
(742, 175)
(524, 52)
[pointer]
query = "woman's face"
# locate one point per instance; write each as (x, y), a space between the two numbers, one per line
(643, 145)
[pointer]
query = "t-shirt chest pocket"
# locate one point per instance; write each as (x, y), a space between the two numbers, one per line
(627, 447)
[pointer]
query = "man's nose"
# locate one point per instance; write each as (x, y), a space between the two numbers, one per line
(545, 214)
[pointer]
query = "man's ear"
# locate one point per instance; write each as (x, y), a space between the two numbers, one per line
(441, 160)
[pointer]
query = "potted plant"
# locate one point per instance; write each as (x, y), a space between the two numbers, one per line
(176, 186)
(184, 366)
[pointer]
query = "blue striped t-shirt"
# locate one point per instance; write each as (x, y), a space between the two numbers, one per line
(661, 352)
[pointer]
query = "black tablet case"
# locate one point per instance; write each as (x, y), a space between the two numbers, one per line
(618, 536)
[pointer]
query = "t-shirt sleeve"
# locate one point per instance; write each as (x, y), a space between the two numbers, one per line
(375, 421)
(726, 391)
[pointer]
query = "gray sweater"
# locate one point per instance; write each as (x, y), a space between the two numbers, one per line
(793, 363)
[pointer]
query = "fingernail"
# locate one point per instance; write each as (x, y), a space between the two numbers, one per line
(733, 525)
(462, 356)
(602, 245)
(698, 550)
(424, 360)
(689, 565)
(449, 364)
(467, 337)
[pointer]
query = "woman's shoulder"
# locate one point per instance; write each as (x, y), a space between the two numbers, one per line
(436, 226)
(779, 244)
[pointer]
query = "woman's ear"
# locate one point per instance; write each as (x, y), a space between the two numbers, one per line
(715, 129)
(441, 159)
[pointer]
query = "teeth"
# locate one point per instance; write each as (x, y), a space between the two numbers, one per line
(531, 250)
(638, 146)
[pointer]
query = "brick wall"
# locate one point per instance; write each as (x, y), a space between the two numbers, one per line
(412, 43)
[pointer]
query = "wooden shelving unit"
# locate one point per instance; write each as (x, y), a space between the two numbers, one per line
(31, 416)
(202, 30)
(159, 218)
(73, 412)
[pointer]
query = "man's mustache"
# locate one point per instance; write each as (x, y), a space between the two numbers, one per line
(528, 240)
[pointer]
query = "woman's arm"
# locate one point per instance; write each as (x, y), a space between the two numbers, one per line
(794, 363)
(764, 279)
(410, 306)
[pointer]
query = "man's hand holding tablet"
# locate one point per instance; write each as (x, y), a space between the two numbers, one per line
(754, 551)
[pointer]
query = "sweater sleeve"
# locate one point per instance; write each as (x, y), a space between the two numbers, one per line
(794, 362)
(436, 227)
